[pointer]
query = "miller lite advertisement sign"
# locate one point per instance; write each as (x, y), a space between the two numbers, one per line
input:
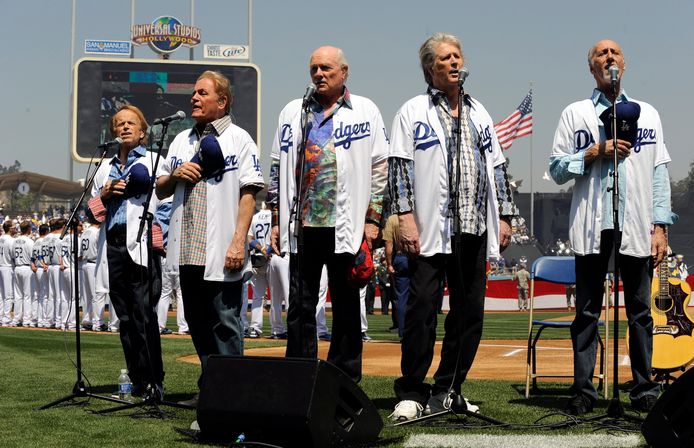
(219, 51)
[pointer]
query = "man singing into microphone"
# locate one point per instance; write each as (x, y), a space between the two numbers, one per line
(422, 177)
(582, 152)
(119, 192)
(345, 170)
(213, 173)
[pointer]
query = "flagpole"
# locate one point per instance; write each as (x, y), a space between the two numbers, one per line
(532, 192)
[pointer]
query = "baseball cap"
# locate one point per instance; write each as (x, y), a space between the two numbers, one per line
(361, 271)
(628, 114)
(209, 157)
(137, 181)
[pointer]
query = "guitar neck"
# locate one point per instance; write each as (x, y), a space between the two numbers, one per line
(664, 274)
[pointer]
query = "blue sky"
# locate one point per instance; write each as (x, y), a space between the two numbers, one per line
(507, 44)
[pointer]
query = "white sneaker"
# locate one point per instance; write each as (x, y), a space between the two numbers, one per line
(443, 401)
(406, 410)
(472, 407)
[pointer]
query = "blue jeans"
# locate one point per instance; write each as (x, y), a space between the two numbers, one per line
(213, 313)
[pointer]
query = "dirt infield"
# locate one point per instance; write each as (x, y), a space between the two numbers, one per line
(498, 359)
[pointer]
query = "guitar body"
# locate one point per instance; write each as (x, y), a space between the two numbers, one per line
(673, 327)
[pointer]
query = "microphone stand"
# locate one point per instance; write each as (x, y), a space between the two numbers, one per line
(298, 199)
(615, 409)
(152, 396)
(79, 390)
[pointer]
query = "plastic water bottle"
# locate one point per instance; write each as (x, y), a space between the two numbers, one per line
(125, 387)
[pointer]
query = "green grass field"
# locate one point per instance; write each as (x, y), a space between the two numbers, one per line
(37, 368)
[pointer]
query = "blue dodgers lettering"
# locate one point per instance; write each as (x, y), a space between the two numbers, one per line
(286, 138)
(175, 162)
(644, 137)
(344, 135)
(424, 136)
(231, 163)
(256, 163)
(582, 140)
(485, 139)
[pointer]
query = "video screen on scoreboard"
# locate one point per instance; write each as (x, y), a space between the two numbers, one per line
(159, 89)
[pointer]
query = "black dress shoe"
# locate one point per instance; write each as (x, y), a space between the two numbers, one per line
(193, 402)
(644, 403)
(579, 405)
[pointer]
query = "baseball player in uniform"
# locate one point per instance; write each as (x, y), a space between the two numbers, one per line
(24, 300)
(259, 243)
(170, 285)
(65, 301)
(423, 168)
(345, 171)
(51, 247)
(94, 304)
(40, 271)
(213, 172)
(7, 285)
(278, 277)
(582, 151)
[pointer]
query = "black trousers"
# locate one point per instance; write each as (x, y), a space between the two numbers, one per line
(465, 270)
(130, 285)
(305, 271)
(636, 274)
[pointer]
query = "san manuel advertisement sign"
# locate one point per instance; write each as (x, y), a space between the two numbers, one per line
(94, 46)
(165, 34)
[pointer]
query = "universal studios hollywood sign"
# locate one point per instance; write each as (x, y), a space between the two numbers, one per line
(165, 34)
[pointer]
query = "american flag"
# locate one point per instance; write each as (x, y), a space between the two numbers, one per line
(518, 124)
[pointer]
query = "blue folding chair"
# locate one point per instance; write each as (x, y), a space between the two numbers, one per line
(556, 270)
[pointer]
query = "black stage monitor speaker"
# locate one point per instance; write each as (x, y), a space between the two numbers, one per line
(671, 421)
(286, 401)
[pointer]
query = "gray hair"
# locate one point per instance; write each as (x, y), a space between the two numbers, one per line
(427, 52)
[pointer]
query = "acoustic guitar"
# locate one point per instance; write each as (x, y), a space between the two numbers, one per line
(673, 327)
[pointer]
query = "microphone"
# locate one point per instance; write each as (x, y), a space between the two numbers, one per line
(180, 115)
(462, 76)
(310, 91)
(115, 142)
(614, 71)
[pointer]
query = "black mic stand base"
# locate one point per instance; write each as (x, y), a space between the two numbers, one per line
(458, 407)
(152, 399)
(78, 391)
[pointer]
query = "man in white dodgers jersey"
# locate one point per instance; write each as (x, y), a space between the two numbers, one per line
(24, 294)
